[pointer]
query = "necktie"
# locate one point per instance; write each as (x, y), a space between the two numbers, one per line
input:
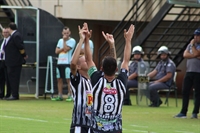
(3, 49)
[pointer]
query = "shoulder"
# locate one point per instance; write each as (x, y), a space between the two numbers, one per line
(171, 64)
(143, 63)
(132, 63)
(16, 33)
(72, 40)
(60, 41)
(123, 72)
(159, 63)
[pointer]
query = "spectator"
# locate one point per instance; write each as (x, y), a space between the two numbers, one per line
(163, 76)
(3, 72)
(91, 47)
(136, 57)
(15, 55)
(192, 76)
(108, 90)
(81, 89)
(64, 50)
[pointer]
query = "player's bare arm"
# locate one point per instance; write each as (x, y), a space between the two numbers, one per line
(109, 38)
(127, 50)
(88, 53)
(77, 51)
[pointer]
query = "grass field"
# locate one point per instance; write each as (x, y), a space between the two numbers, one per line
(30, 115)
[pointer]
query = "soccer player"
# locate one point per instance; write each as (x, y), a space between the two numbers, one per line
(109, 90)
(81, 89)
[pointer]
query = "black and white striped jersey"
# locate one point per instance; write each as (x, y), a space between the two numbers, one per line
(107, 102)
(82, 96)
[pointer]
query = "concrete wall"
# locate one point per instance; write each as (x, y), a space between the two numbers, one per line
(101, 15)
(85, 9)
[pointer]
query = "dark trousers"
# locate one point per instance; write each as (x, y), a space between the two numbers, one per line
(130, 84)
(4, 80)
(14, 73)
(191, 80)
(153, 91)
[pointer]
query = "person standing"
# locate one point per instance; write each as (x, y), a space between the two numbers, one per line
(64, 49)
(81, 89)
(15, 55)
(109, 90)
(192, 77)
(136, 57)
(3, 72)
(162, 75)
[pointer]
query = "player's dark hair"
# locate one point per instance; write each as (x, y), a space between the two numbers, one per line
(109, 65)
(12, 26)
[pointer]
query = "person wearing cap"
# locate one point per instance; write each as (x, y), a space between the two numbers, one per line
(192, 76)
(162, 76)
(136, 57)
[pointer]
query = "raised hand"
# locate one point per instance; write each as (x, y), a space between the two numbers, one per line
(88, 33)
(129, 34)
(82, 32)
(108, 37)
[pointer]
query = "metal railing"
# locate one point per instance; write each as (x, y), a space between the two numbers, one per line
(139, 14)
(175, 34)
(18, 2)
(174, 30)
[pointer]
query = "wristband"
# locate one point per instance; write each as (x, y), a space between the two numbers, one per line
(92, 70)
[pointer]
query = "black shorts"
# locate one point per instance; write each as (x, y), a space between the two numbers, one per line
(63, 71)
(79, 129)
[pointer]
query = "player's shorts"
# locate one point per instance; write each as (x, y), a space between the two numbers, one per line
(63, 71)
(104, 132)
(78, 129)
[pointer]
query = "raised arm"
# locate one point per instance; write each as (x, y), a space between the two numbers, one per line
(109, 38)
(88, 53)
(75, 56)
(127, 49)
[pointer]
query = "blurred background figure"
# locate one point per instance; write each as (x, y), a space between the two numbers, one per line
(136, 57)
(3, 71)
(162, 75)
(64, 49)
(192, 76)
(15, 56)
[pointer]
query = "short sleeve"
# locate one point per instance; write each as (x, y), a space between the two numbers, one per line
(123, 76)
(59, 43)
(71, 43)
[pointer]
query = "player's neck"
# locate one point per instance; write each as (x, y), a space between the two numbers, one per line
(109, 78)
(84, 74)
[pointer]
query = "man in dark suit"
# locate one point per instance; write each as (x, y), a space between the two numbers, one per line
(3, 72)
(15, 55)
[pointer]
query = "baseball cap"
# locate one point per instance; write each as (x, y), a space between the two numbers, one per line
(197, 31)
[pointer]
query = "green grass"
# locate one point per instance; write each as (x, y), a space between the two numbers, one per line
(30, 115)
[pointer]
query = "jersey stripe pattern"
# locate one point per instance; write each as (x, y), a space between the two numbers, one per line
(82, 96)
(107, 103)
